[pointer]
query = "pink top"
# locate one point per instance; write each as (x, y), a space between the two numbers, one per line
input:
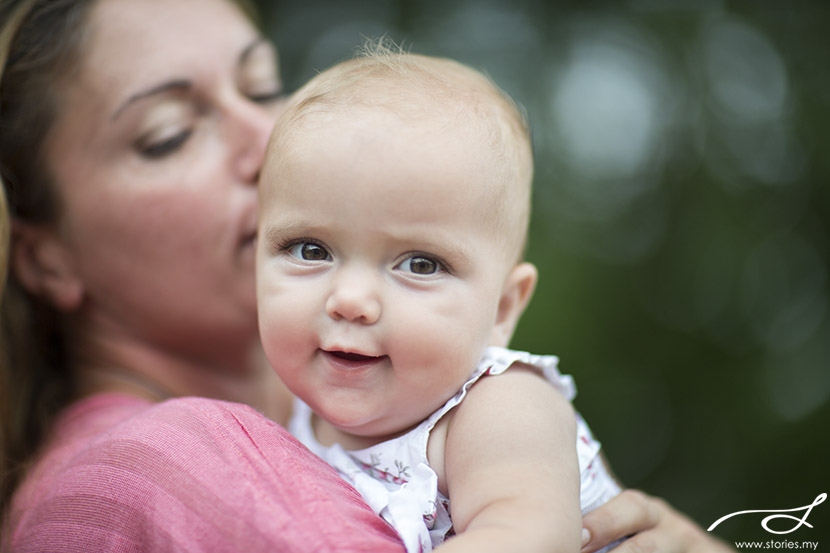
(190, 474)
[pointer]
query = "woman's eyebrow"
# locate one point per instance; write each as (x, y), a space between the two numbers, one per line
(183, 84)
(178, 84)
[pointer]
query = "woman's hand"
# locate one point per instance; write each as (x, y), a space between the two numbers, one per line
(654, 527)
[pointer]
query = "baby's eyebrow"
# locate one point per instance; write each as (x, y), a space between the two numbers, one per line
(277, 232)
(274, 233)
(446, 247)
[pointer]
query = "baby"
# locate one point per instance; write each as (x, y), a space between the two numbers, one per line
(394, 205)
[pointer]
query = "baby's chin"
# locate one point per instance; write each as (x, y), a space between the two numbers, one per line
(352, 433)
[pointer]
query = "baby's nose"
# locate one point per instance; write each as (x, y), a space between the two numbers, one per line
(354, 299)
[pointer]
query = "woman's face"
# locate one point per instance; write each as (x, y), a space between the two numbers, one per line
(155, 156)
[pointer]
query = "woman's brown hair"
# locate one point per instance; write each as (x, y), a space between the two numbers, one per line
(40, 43)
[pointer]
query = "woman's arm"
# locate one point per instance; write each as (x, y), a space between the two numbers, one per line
(510, 468)
(652, 524)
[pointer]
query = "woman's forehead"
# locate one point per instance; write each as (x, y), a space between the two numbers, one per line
(132, 44)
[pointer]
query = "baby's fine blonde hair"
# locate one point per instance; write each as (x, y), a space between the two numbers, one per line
(415, 86)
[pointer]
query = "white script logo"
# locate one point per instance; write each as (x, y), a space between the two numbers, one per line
(779, 514)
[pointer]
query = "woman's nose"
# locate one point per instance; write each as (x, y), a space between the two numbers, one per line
(354, 299)
(250, 130)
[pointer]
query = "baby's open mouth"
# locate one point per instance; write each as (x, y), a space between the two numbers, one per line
(352, 357)
(350, 360)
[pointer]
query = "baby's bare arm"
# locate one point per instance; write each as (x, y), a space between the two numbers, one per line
(511, 469)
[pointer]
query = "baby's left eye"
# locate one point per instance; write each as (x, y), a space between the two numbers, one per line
(309, 251)
(420, 265)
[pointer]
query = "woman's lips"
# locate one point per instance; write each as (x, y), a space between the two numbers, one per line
(246, 249)
(248, 240)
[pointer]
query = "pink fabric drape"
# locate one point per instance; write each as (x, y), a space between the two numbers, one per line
(188, 474)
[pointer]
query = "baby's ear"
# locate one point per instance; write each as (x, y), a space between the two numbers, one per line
(517, 291)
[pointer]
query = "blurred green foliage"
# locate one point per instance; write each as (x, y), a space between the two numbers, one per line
(681, 213)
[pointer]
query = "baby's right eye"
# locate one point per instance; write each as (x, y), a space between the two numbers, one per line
(309, 251)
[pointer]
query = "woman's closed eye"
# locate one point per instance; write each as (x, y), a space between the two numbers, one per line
(156, 148)
(165, 127)
(259, 78)
(267, 96)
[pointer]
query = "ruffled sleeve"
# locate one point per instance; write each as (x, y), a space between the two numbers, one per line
(496, 360)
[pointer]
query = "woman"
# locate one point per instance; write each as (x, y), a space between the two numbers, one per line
(133, 132)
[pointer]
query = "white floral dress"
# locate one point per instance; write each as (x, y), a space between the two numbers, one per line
(395, 477)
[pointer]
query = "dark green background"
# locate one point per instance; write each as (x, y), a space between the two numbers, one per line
(680, 224)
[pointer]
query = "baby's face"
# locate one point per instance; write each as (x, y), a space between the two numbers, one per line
(379, 269)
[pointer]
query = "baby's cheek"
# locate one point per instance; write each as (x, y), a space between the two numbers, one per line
(448, 352)
(281, 320)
